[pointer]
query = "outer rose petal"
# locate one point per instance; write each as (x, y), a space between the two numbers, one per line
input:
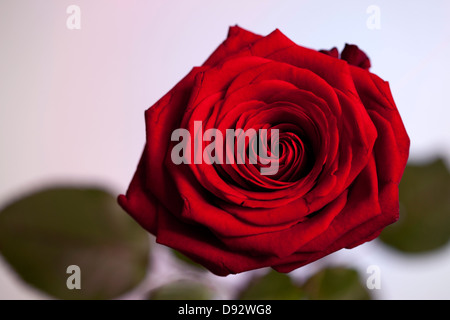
(392, 146)
(161, 119)
(138, 202)
(237, 39)
(199, 244)
(362, 233)
(268, 244)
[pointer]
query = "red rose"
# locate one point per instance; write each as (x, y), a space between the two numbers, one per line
(342, 152)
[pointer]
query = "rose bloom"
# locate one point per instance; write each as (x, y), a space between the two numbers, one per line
(342, 152)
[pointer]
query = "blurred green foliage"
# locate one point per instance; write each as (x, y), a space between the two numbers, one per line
(182, 290)
(272, 286)
(424, 222)
(45, 232)
(337, 283)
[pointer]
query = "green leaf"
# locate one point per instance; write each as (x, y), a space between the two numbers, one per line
(44, 233)
(182, 290)
(272, 286)
(336, 283)
(424, 222)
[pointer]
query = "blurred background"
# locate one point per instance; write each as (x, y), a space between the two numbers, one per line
(74, 85)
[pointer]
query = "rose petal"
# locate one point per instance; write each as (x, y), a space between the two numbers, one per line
(139, 202)
(237, 39)
(285, 242)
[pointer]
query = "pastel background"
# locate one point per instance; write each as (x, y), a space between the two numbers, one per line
(72, 101)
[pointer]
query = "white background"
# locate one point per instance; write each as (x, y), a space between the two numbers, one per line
(72, 101)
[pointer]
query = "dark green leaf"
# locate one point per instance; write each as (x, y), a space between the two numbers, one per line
(336, 284)
(272, 286)
(44, 233)
(182, 290)
(424, 222)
